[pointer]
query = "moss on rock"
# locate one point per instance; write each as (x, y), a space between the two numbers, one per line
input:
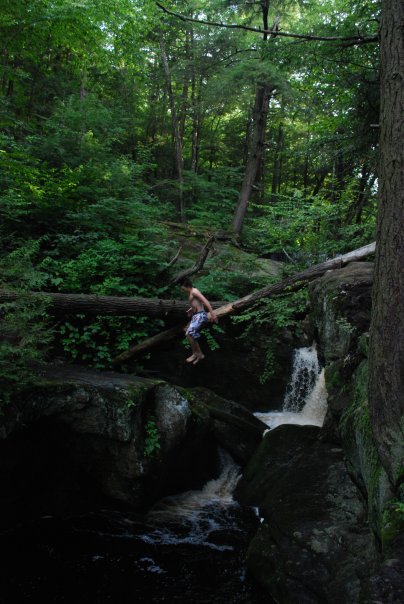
(360, 447)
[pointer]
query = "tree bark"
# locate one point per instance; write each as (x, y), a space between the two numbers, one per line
(386, 352)
(176, 132)
(198, 264)
(196, 122)
(276, 176)
(291, 283)
(262, 96)
(256, 151)
(116, 306)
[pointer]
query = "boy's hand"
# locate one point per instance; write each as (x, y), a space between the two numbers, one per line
(212, 317)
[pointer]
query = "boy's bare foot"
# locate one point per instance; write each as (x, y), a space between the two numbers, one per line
(198, 358)
(191, 358)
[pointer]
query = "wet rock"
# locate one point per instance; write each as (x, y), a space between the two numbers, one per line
(280, 449)
(233, 426)
(81, 438)
(340, 317)
(173, 414)
(341, 305)
(387, 584)
(314, 545)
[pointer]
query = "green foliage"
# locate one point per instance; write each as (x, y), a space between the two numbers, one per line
(212, 197)
(271, 365)
(392, 523)
(275, 315)
(152, 438)
(25, 332)
(210, 336)
(97, 342)
(345, 326)
(308, 228)
(86, 148)
(280, 312)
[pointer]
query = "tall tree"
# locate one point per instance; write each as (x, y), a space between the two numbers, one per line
(386, 358)
(262, 96)
(176, 126)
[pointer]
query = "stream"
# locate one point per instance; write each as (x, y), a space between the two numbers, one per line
(188, 548)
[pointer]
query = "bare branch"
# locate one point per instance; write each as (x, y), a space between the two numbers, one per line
(174, 260)
(358, 39)
(198, 264)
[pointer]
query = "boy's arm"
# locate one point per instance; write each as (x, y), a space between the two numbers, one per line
(197, 294)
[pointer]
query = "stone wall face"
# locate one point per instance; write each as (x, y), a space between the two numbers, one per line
(81, 438)
(324, 498)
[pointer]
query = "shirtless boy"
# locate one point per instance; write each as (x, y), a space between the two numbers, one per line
(199, 317)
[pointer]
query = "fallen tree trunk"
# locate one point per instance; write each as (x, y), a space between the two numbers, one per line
(289, 284)
(63, 304)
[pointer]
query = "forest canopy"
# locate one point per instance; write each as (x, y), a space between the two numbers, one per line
(119, 119)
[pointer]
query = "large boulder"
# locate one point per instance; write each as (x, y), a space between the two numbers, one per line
(341, 305)
(78, 428)
(81, 438)
(313, 545)
(233, 427)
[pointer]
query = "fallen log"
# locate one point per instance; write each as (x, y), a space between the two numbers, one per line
(291, 283)
(121, 306)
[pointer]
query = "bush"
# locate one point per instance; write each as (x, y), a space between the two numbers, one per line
(25, 330)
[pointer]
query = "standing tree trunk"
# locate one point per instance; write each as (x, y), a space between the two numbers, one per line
(262, 96)
(386, 353)
(185, 88)
(176, 132)
(196, 122)
(277, 162)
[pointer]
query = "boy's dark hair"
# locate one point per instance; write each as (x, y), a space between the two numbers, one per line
(185, 282)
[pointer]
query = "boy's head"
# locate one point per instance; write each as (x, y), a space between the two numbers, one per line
(186, 283)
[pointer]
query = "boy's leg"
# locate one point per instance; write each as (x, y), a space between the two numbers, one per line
(194, 349)
(194, 328)
(197, 354)
(191, 358)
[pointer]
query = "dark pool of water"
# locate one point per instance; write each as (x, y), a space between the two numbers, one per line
(109, 556)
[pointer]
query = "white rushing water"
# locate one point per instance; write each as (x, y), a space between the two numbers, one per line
(198, 514)
(305, 401)
(205, 517)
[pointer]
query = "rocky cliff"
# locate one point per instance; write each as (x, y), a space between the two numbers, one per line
(81, 438)
(331, 524)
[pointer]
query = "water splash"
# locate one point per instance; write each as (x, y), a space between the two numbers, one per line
(197, 517)
(305, 371)
(305, 402)
(315, 406)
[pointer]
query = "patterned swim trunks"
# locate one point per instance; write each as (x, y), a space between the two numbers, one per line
(197, 322)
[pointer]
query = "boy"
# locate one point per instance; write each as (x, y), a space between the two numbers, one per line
(199, 318)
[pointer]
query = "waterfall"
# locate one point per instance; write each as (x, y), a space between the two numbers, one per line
(200, 514)
(305, 401)
(315, 406)
(305, 371)
(190, 547)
